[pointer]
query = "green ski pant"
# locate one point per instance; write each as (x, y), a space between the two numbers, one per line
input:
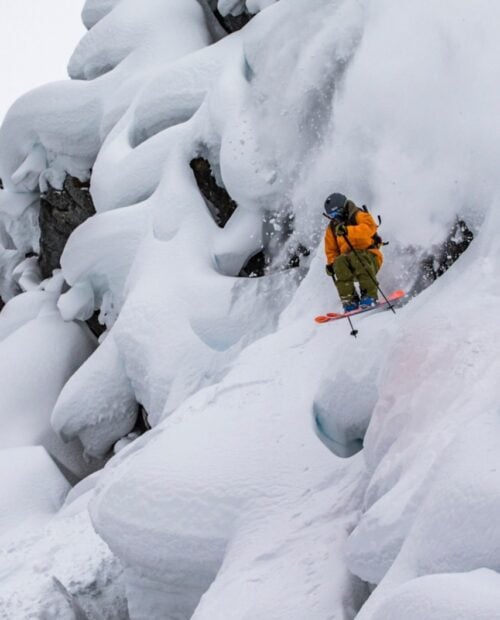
(361, 267)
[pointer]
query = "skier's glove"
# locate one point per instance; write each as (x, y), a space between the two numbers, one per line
(329, 270)
(340, 230)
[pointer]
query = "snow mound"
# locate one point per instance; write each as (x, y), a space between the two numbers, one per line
(33, 488)
(459, 596)
(112, 402)
(40, 579)
(58, 129)
(40, 346)
(430, 447)
(232, 483)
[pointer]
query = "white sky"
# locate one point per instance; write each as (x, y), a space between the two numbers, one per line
(37, 38)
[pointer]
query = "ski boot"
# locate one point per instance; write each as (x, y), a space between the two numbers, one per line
(350, 306)
(367, 302)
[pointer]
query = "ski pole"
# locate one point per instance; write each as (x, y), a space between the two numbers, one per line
(354, 332)
(360, 258)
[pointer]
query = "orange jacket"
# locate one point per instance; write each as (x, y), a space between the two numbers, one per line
(359, 234)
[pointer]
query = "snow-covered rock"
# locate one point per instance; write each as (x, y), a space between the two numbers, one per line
(430, 446)
(235, 483)
(38, 353)
(42, 579)
(33, 489)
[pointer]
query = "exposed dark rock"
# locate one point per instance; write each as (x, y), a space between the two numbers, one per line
(230, 23)
(278, 252)
(262, 263)
(95, 327)
(142, 425)
(281, 251)
(219, 202)
(256, 266)
(61, 211)
(296, 255)
(436, 264)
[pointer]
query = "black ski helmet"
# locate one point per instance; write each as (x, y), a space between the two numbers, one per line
(335, 205)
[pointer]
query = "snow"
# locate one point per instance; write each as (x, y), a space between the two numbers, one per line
(228, 501)
(430, 446)
(32, 328)
(40, 579)
(32, 487)
(114, 409)
(59, 128)
(473, 595)
(290, 467)
(236, 7)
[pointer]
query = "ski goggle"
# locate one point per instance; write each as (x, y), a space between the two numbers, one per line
(336, 213)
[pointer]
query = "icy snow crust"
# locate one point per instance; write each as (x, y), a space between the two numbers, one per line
(234, 505)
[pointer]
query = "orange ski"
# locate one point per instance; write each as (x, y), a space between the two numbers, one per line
(334, 316)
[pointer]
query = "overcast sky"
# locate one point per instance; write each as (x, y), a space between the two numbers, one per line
(37, 38)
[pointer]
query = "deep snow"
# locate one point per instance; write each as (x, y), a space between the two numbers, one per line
(239, 503)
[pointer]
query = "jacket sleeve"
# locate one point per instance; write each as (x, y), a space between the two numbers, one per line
(331, 246)
(361, 234)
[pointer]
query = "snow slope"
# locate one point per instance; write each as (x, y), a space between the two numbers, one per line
(238, 504)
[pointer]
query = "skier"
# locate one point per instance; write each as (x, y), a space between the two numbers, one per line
(352, 252)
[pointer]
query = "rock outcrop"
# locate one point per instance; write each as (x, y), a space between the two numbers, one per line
(219, 202)
(61, 211)
(230, 22)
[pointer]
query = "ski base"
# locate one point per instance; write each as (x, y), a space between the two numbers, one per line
(334, 316)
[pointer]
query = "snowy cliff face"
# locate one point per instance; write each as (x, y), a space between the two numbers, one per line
(207, 154)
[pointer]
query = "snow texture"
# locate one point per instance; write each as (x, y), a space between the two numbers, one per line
(38, 346)
(40, 579)
(234, 501)
(32, 487)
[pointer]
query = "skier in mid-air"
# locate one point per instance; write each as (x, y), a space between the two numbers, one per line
(352, 248)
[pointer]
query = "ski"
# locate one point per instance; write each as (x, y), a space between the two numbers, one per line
(334, 316)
